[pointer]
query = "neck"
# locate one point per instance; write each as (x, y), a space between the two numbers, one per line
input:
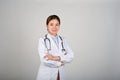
(53, 34)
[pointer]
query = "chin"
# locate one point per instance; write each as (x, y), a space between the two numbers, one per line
(54, 32)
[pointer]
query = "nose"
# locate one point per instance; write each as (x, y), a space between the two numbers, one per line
(54, 26)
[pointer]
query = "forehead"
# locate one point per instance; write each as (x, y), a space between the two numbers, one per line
(54, 21)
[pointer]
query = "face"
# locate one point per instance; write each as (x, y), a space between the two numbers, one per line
(53, 27)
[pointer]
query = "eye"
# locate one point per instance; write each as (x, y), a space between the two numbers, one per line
(51, 24)
(57, 24)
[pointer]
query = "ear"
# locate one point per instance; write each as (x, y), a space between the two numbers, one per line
(47, 29)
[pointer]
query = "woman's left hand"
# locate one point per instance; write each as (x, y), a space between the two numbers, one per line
(51, 57)
(48, 56)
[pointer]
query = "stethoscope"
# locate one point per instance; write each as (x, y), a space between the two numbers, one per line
(48, 47)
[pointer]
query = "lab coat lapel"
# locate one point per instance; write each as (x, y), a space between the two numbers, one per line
(60, 46)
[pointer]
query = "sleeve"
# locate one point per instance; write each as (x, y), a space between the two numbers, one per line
(69, 56)
(42, 52)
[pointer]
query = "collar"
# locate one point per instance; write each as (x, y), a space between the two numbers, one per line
(52, 36)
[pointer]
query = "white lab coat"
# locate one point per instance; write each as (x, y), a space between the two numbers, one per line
(49, 69)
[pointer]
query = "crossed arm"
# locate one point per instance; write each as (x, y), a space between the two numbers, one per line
(51, 60)
(54, 58)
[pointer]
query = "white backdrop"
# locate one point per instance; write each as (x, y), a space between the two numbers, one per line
(92, 28)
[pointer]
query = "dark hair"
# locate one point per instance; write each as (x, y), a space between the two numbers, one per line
(51, 17)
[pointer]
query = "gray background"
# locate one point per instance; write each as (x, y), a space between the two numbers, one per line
(92, 28)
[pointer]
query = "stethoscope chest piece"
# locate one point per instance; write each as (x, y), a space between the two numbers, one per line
(64, 52)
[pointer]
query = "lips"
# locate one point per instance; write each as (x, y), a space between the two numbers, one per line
(54, 30)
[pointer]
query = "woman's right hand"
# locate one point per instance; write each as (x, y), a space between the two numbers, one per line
(62, 63)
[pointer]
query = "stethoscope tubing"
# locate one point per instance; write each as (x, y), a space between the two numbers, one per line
(48, 49)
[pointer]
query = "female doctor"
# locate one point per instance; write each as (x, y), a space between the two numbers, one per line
(54, 52)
